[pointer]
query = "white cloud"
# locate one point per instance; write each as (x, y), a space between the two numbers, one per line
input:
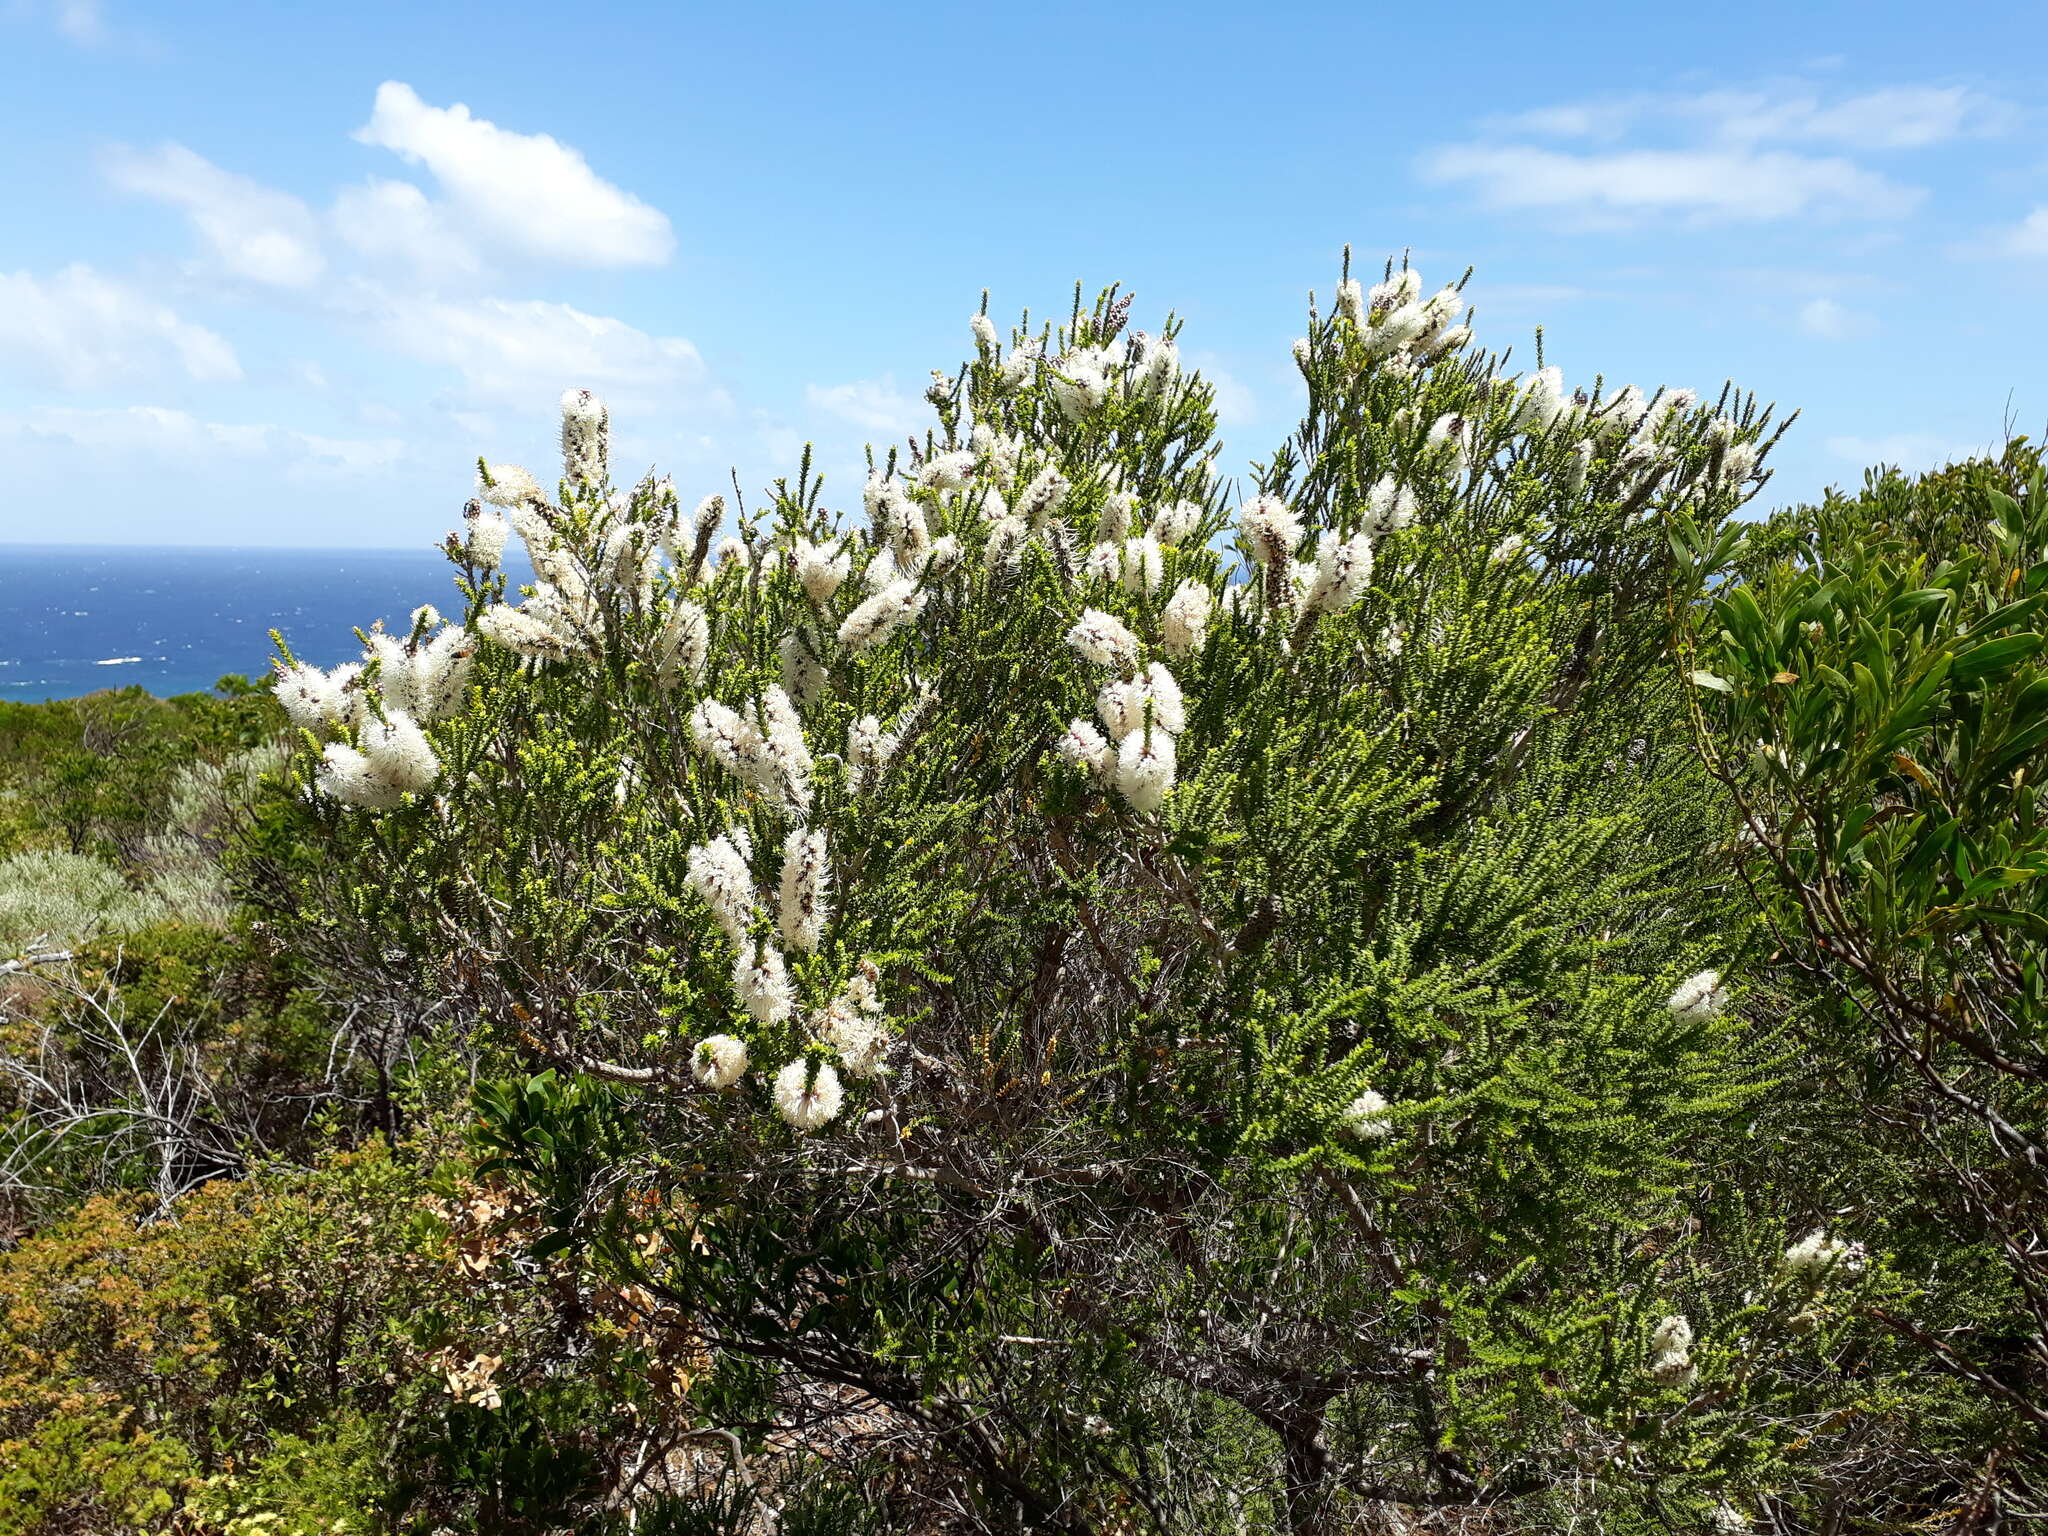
(394, 221)
(1708, 185)
(874, 404)
(516, 352)
(1832, 321)
(80, 329)
(1897, 117)
(528, 191)
(254, 231)
(151, 432)
(82, 21)
(1910, 451)
(2029, 237)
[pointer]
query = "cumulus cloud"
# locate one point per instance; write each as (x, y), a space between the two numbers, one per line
(80, 330)
(876, 405)
(253, 231)
(395, 222)
(529, 193)
(156, 433)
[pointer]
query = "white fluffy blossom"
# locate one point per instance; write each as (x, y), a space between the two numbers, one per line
(346, 775)
(1366, 1117)
(806, 890)
(1022, 361)
(526, 633)
(684, 644)
(1699, 997)
(762, 982)
(853, 1026)
(947, 471)
(1542, 401)
(398, 751)
(719, 1061)
(1103, 639)
(985, 339)
(881, 616)
(1113, 522)
(1184, 623)
(1159, 367)
(487, 534)
(315, 700)
(1727, 1520)
(586, 435)
(1389, 506)
(1269, 529)
(1671, 1352)
(510, 486)
(1145, 769)
(803, 674)
(1143, 565)
(1123, 707)
(1343, 567)
(807, 1094)
(821, 568)
(1176, 522)
(1086, 748)
(717, 872)
(1043, 497)
(1816, 1255)
(869, 748)
(1581, 465)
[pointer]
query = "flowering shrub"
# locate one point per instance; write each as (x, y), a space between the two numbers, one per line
(1058, 965)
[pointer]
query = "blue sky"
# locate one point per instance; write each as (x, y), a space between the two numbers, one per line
(279, 274)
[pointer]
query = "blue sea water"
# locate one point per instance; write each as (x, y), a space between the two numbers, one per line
(78, 618)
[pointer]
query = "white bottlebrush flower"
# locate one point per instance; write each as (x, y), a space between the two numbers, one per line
(1269, 529)
(1727, 1520)
(821, 568)
(762, 982)
(1403, 287)
(717, 871)
(880, 571)
(785, 756)
(806, 891)
(1389, 506)
(803, 674)
(898, 522)
(1542, 401)
(881, 616)
(858, 1037)
(732, 552)
(727, 738)
(441, 668)
(938, 560)
(999, 451)
(398, 751)
(1006, 538)
(1351, 303)
(510, 486)
(1102, 562)
(1176, 522)
(1145, 769)
(1738, 463)
(586, 435)
(1396, 329)
(1080, 383)
(985, 338)
(1817, 1255)
(1450, 435)
(1621, 413)
(1043, 497)
(1303, 353)
(1699, 997)
(1022, 362)
(807, 1094)
(1103, 639)
(1159, 367)
(348, 776)
(1143, 565)
(947, 471)
(1669, 405)
(719, 1061)
(869, 748)
(684, 644)
(1671, 1352)
(525, 634)
(1451, 339)
(1366, 1117)
(1184, 623)
(316, 700)
(1123, 707)
(1343, 567)
(1581, 465)
(487, 534)
(1671, 1336)
(1085, 747)
(1113, 522)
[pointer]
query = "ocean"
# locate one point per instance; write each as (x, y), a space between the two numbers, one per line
(78, 618)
